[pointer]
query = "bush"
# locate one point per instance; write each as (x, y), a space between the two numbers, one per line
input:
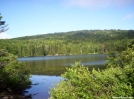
(80, 83)
(12, 73)
(122, 60)
(125, 60)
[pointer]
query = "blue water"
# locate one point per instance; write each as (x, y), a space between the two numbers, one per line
(41, 65)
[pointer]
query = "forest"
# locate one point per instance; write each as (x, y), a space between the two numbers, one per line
(70, 43)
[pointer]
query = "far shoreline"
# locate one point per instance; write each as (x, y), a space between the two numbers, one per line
(63, 55)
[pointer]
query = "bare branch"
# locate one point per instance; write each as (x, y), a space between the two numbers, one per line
(3, 30)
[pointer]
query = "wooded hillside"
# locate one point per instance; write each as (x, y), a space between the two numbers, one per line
(68, 43)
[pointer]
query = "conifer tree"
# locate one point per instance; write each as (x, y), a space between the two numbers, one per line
(3, 27)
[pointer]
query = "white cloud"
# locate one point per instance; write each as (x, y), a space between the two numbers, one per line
(129, 16)
(4, 36)
(98, 3)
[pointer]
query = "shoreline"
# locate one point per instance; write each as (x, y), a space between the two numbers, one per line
(63, 55)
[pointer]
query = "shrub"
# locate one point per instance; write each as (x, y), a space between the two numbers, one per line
(12, 73)
(125, 60)
(80, 83)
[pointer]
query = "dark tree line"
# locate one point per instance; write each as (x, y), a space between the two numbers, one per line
(68, 43)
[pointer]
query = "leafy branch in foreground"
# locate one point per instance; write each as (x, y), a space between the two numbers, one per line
(125, 60)
(12, 73)
(80, 83)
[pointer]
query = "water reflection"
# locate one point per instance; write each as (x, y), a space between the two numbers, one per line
(56, 65)
(47, 70)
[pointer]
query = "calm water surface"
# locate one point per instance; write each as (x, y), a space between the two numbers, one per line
(46, 70)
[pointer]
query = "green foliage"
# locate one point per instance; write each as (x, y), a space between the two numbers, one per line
(12, 73)
(70, 43)
(125, 60)
(0, 16)
(115, 81)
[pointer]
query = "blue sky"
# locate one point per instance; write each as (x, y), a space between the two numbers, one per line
(31, 17)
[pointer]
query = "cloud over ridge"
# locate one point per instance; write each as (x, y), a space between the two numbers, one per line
(4, 36)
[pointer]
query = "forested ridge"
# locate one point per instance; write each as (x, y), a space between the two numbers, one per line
(68, 43)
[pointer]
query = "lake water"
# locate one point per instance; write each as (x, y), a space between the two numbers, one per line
(46, 70)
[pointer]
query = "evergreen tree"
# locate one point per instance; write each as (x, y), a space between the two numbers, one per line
(2, 25)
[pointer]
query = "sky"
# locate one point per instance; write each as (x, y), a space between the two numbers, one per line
(33, 17)
(4, 36)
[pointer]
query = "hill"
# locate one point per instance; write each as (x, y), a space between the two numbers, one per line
(68, 43)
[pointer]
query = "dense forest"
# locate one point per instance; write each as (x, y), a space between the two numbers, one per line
(70, 43)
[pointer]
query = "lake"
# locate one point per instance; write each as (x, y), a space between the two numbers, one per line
(46, 70)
